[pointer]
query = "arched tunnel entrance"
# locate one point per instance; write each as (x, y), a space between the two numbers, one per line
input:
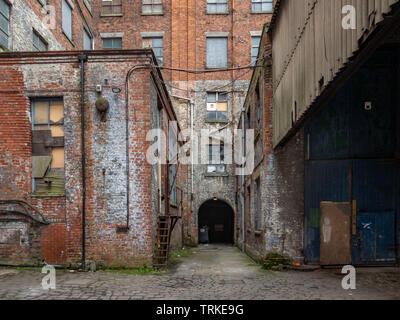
(218, 217)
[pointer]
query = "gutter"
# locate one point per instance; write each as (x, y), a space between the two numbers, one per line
(82, 59)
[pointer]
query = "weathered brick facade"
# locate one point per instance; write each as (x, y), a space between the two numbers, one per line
(30, 76)
(281, 176)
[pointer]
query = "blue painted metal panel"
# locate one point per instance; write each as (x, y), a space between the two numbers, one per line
(324, 181)
(375, 189)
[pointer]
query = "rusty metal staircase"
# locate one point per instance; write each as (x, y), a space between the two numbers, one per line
(163, 239)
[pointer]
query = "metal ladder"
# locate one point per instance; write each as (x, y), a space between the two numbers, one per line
(163, 238)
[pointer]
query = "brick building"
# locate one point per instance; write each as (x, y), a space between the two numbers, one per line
(42, 148)
(204, 50)
(326, 187)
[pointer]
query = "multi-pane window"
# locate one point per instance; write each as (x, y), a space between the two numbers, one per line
(48, 146)
(88, 4)
(172, 158)
(217, 6)
(262, 5)
(156, 43)
(152, 6)
(258, 217)
(111, 7)
(255, 44)
(67, 18)
(216, 156)
(112, 43)
(38, 43)
(4, 22)
(217, 106)
(217, 52)
(87, 40)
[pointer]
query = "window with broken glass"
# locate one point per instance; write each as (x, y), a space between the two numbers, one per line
(216, 157)
(152, 7)
(217, 6)
(48, 147)
(4, 22)
(217, 106)
(111, 7)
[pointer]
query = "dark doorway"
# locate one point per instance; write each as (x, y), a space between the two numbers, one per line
(218, 217)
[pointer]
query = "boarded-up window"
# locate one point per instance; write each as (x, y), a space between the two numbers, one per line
(217, 106)
(172, 182)
(4, 22)
(156, 44)
(67, 18)
(152, 6)
(217, 52)
(111, 7)
(48, 147)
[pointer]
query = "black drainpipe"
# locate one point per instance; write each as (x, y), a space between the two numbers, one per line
(82, 59)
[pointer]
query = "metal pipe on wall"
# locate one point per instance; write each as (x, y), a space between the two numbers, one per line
(82, 59)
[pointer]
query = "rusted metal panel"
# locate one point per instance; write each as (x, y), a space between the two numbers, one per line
(335, 248)
(310, 46)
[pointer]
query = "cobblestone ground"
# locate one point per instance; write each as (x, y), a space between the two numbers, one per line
(212, 272)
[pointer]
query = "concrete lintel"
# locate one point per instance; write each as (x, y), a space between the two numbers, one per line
(112, 35)
(216, 34)
(154, 34)
(256, 33)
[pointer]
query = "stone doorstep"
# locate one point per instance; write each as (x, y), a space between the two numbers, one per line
(303, 268)
(7, 272)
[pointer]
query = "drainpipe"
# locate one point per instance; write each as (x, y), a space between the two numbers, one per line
(243, 189)
(82, 59)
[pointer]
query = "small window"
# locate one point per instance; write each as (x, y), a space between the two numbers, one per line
(67, 19)
(112, 43)
(217, 52)
(38, 43)
(87, 40)
(255, 44)
(217, 106)
(217, 6)
(157, 45)
(111, 7)
(152, 7)
(4, 22)
(216, 157)
(258, 217)
(262, 5)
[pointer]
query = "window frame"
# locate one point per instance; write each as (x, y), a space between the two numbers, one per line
(152, 5)
(63, 26)
(257, 207)
(113, 39)
(208, 57)
(254, 57)
(7, 19)
(152, 38)
(221, 162)
(113, 6)
(218, 114)
(49, 100)
(215, 3)
(261, 2)
(37, 35)
(89, 35)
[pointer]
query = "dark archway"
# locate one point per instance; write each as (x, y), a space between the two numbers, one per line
(218, 216)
